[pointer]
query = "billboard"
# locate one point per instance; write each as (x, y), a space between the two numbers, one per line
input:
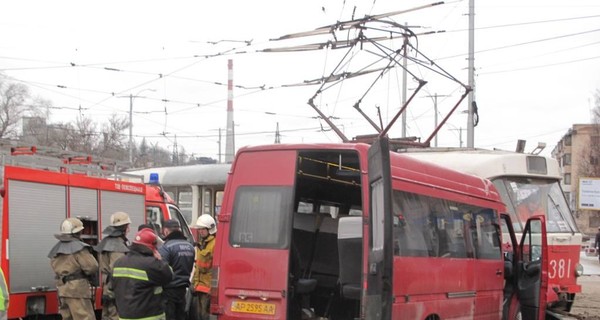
(589, 194)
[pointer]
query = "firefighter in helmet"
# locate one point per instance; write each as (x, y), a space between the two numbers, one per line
(138, 279)
(112, 247)
(73, 263)
(207, 229)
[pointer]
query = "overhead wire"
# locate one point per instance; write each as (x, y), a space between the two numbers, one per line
(171, 74)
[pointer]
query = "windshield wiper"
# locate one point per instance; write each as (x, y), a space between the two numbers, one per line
(562, 215)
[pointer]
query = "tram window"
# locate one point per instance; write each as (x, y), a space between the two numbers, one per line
(207, 201)
(537, 165)
(185, 203)
(509, 197)
(219, 201)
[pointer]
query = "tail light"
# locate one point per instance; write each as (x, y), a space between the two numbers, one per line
(214, 292)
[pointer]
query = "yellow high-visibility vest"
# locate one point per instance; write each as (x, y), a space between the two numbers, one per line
(3, 292)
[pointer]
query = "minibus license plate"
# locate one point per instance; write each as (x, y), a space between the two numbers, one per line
(253, 307)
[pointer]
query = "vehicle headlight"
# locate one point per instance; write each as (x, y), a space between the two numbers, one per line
(579, 270)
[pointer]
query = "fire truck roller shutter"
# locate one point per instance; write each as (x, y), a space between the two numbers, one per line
(84, 203)
(131, 203)
(36, 212)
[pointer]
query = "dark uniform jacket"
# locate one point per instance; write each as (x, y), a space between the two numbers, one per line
(73, 264)
(179, 254)
(137, 282)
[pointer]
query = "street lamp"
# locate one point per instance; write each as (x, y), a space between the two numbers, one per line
(131, 96)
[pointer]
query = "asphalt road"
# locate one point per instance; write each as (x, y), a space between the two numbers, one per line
(591, 264)
(587, 303)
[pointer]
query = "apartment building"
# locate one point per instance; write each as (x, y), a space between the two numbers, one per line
(578, 152)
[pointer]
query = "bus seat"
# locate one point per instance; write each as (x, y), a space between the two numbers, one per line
(350, 256)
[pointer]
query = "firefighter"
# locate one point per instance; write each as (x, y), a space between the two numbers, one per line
(112, 247)
(3, 297)
(74, 265)
(178, 252)
(138, 279)
(207, 229)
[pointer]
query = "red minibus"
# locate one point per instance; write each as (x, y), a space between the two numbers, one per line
(353, 231)
(527, 184)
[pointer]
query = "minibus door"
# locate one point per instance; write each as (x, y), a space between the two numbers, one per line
(532, 269)
(377, 296)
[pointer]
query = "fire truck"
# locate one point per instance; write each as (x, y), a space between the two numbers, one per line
(38, 192)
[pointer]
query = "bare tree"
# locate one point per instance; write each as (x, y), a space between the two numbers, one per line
(83, 136)
(14, 98)
(589, 164)
(113, 144)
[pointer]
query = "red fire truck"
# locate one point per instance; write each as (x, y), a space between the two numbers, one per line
(161, 207)
(352, 231)
(37, 193)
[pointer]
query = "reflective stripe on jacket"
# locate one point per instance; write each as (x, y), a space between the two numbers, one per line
(137, 282)
(204, 259)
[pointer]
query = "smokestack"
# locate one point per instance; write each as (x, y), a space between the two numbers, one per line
(230, 138)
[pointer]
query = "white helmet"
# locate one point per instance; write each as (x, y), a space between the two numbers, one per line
(119, 218)
(206, 221)
(71, 226)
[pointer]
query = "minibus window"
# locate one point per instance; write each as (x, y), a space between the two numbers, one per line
(261, 217)
(485, 235)
(431, 227)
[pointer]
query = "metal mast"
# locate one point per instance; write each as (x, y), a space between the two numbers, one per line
(471, 98)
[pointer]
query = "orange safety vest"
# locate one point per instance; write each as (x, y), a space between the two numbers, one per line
(204, 259)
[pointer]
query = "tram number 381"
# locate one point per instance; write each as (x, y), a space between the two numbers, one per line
(560, 268)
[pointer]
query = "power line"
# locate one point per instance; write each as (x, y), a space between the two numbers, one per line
(525, 23)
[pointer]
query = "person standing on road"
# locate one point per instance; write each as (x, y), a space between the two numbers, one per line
(597, 244)
(138, 279)
(207, 229)
(73, 263)
(112, 247)
(178, 252)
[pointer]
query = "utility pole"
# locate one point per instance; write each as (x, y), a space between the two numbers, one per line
(277, 135)
(470, 123)
(131, 96)
(435, 118)
(130, 128)
(460, 140)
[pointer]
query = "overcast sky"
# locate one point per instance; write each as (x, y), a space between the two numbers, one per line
(537, 67)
